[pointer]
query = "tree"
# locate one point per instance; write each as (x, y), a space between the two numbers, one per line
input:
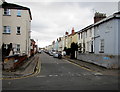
(74, 47)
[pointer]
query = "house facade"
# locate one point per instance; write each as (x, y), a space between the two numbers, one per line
(0, 27)
(16, 22)
(105, 40)
(65, 40)
(75, 37)
(60, 43)
(85, 39)
(71, 38)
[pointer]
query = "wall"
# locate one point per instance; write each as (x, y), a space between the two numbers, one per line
(100, 60)
(86, 39)
(75, 38)
(0, 27)
(0, 46)
(108, 32)
(24, 23)
(118, 35)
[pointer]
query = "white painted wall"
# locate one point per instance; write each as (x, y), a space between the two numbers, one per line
(109, 32)
(0, 27)
(87, 39)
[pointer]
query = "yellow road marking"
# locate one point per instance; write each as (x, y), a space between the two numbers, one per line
(80, 66)
(35, 73)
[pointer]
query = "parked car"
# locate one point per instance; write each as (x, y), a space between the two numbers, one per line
(50, 53)
(39, 51)
(57, 55)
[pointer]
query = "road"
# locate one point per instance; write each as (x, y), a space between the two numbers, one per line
(59, 74)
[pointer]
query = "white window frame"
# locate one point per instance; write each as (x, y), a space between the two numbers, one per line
(7, 12)
(101, 46)
(7, 29)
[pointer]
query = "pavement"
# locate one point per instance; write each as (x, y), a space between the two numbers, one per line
(28, 68)
(93, 67)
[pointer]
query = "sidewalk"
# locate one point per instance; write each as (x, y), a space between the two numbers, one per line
(93, 67)
(27, 68)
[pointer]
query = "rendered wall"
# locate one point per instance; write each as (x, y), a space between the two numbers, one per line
(106, 61)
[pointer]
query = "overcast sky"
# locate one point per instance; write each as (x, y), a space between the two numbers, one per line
(52, 18)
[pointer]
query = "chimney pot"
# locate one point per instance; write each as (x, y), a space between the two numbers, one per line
(99, 16)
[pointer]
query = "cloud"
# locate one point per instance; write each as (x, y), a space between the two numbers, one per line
(52, 19)
(63, 0)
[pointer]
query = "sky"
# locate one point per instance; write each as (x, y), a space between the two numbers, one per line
(52, 18)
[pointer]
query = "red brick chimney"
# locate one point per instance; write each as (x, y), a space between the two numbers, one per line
(99, 16)
(73, 31)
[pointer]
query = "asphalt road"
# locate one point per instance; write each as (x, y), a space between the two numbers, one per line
(59, 74)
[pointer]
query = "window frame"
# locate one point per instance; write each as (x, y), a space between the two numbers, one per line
(18, 47)
(18, 32)
(102, 45)
(6, 29)
(6, 46)
(18, 13)
(7, 12)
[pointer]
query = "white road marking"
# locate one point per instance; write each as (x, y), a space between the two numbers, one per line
(41, 76)
(53, 75)
(98, 74)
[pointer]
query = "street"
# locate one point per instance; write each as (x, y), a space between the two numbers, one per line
(59, 74)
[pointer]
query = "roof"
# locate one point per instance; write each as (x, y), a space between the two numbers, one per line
(15, 6)
(115, 15)
(117, 12)
(72, 34)
(86, 28)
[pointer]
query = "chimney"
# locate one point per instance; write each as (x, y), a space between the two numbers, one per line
(73, 30)
(99, 16)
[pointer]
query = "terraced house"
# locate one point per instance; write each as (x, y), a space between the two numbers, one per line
(99, 42)
(16, 24)
(1, 23)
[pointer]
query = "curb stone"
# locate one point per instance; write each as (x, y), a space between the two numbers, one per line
(24, 71)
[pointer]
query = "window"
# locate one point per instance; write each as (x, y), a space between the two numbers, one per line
(79, 36)
(18, 47)
(92, 47)
(6, 46)
(101, 46)
(6, 11)
(87, 46)
(7, 29)
(19, 13)
(86, 34)
(18, 30)
(90, 33)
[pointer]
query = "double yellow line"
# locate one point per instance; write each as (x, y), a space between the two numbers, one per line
(80, 66)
